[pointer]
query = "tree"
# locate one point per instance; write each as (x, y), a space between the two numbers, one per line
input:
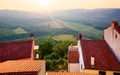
(55, 54)
(48, 65)
(45, 49)
(61, 48)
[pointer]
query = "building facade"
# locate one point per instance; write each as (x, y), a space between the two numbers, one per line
(73, 58)
(17, 58)
(99, 56)
(112, 38)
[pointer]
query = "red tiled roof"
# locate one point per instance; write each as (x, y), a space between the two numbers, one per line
(68, 73)
(118, 29)
(19, 66)
(104, 58)
(16, 50)
(73, 56)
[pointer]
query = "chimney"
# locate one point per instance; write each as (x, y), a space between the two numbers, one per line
(114, 24)
(32, 36)
(32, 52)
(79, 36)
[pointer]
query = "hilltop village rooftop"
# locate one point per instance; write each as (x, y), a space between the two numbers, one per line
(89, 57)
(97, 56)
(16, 58)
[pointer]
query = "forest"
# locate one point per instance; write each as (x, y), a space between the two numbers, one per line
(55, 53)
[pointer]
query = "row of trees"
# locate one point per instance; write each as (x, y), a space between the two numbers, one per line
(55, 54)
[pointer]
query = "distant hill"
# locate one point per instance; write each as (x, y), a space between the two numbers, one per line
(90, 22)
(99, 18)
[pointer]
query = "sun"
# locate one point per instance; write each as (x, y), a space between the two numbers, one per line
(44, 3)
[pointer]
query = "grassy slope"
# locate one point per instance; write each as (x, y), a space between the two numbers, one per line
(5, 32)
(19, 31)
(64, 38)
(85, 29)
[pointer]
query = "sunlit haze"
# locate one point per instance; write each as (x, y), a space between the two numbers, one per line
(40, 5)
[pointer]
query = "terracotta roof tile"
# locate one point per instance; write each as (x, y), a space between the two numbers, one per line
(104, 58)
(73, 56)
(16, 50)
(20, 66)
(68, 73)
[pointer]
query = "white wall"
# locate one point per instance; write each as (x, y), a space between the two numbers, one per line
(42, 69)
(81, 61)
(74, 67)
(112, 41)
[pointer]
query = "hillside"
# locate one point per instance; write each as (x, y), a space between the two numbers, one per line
(64, 38)
(91, 22)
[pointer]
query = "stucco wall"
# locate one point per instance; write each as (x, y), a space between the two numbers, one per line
(112, 37)
(73, 67)
(97, 72)
(81, 61)
(42, 70)
(91, 71)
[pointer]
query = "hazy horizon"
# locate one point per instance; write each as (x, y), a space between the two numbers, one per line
(54, 5)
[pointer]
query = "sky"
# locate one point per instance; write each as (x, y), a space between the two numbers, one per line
(41, 5)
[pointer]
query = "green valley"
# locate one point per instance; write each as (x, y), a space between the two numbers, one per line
(89, 22)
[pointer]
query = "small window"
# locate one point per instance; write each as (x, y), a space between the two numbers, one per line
(102, 73)
(116, 73)
(92, 62)
(115, 35)
(37, 56)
